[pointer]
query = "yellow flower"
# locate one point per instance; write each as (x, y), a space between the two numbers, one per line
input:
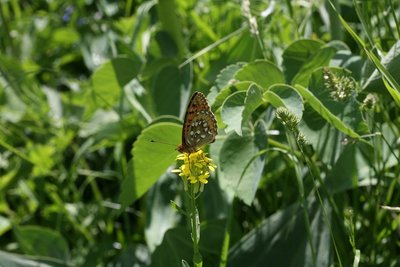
(196, 167)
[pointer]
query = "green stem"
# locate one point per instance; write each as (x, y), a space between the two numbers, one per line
(197, 259)
(292, 144)
(227, 237)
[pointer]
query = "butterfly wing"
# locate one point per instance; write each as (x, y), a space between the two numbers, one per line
(199, 126)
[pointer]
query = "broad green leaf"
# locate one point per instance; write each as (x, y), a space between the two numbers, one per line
(232, 110)
(215, 202)
(109, 79)
(281, 240)
(323, 136)
(159, 215)
(40, 241)
(171, 90)
(262, 73)
(285, 96)
(176, 246)
(227, 91)
(296, 55)
(252, 101)
(224, 79)
(166, 44)
(351, 169)
(152, 159)
(241, 162)
(238, 107)
(226, 76)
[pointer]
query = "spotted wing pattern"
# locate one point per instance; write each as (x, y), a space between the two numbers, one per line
(199, 126)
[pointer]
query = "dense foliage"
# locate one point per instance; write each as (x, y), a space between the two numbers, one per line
(306, 95)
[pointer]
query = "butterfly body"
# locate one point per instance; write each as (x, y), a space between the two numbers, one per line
(199, 125)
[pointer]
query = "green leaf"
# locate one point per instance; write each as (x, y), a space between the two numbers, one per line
(281, 240)
(238, 107)
(241, 163)
(344, 173)
(375, 60)
(285, 96)
(172, 102)
(320, 58)
(263, 73)
(224, 78)
(177, 246)
(159, 215)
(323, 111)
(40, 241)
(227, 91)
(320, 124)
(151, 159)
(296, 55)
(252, 101)
(232, 110)
(109, 79)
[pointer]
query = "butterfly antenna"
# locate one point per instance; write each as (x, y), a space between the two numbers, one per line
(161, 142)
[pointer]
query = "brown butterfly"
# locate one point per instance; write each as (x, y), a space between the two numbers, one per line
(199, 126)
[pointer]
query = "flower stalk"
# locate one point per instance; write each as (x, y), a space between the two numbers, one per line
(194, 172)
(195, 225)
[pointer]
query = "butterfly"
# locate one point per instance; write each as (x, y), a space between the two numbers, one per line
(199, 125)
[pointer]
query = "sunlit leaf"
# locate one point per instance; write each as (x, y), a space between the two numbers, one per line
(263, 73)
(153, 152)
